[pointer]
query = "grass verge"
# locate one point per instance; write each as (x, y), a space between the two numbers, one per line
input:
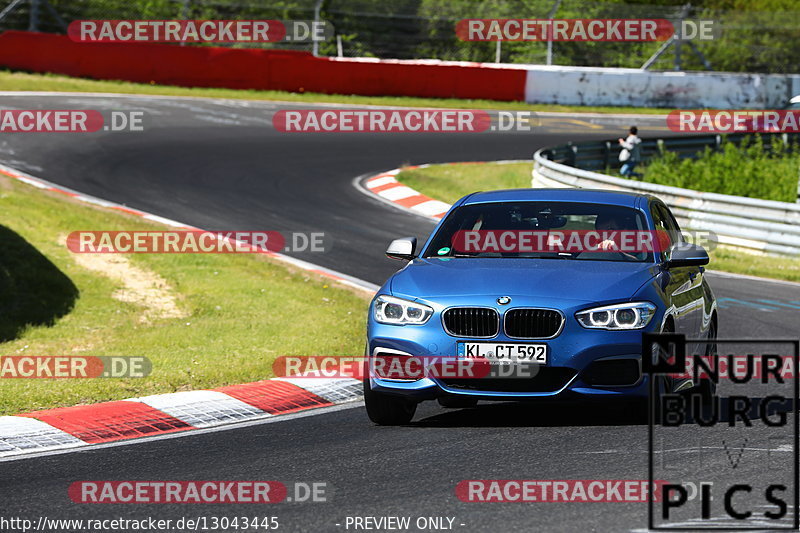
(450, 182)
(236, 313)
(729, 260)
(21, 81)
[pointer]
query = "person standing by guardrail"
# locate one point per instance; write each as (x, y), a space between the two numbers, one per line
(631, 153)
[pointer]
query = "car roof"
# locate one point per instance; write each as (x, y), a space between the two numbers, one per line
(599, 196)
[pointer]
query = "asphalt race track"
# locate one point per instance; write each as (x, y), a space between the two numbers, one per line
(221, 165)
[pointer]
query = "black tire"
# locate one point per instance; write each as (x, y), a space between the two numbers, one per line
(387, 410)
(707, 389)
(639, 409)
(457, 402)
(704, 393)
(662, 387)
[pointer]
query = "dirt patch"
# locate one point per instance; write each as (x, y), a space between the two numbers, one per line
(139, 286)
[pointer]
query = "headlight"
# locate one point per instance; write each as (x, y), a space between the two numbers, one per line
(391, 310)
(618, 316)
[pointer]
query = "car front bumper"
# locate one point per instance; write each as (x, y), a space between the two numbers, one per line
(569, 372)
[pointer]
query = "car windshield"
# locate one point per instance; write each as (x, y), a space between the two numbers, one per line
(544, 230)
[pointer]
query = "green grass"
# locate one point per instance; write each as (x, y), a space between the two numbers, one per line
(20, 81)
(242, 310)
(450, 182)
(728, 260)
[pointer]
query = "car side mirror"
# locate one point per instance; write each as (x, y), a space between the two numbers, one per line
(686, 254)
(402, 249)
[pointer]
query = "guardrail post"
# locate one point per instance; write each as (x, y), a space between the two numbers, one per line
(607, 156)
(186, 7)
(798, 188)
(33, 16)
(572, 153)
(317, 9)
(549, 28)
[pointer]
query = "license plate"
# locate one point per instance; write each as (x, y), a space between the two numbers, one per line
(504, 353)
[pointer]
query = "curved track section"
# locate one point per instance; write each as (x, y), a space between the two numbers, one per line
(220, 165)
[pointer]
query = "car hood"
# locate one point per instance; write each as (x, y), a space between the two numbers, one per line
(581, 280)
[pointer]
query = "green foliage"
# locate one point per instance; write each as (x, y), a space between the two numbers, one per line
(754, 35)
(751, 169)
(441, 16)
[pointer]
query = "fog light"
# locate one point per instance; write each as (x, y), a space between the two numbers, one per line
(612, 373)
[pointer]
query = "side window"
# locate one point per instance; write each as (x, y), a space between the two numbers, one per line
(658, 218)
(664, 221)
(672, 225)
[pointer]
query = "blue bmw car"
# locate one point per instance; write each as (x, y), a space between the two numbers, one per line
(574, 319)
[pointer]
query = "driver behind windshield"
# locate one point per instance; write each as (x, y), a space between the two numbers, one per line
(487, 222)
(614, 221)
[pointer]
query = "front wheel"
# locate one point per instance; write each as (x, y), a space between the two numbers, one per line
(387, 410)
(706, 389)
(640, 409)
(662, 385)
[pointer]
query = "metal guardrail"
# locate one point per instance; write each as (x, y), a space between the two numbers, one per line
(756, 225)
